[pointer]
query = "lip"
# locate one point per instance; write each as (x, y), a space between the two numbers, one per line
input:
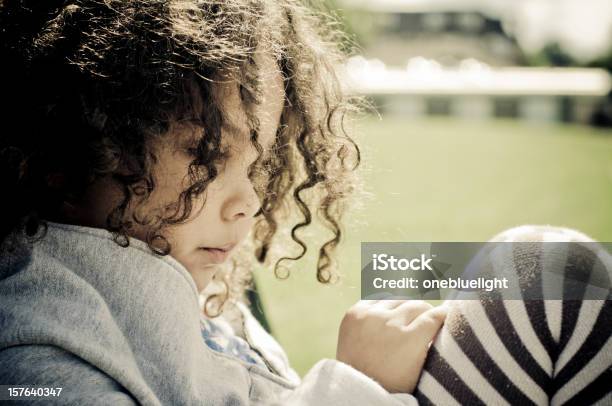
(220, 254)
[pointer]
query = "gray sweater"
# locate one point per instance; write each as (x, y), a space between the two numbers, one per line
(120, 326)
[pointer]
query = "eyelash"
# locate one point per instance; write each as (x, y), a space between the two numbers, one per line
(191, 151)
(194, 152)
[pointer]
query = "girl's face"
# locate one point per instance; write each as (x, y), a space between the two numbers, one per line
(222, 217)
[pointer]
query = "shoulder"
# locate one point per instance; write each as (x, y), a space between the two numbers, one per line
(559, 259)
(541, 233)
(546, 243)
(553, 244)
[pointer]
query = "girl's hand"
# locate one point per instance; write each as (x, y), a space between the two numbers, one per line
(388, 340)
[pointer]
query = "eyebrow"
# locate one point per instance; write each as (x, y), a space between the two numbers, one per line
(233, 128)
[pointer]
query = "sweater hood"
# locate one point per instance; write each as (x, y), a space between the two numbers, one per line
(76, 289)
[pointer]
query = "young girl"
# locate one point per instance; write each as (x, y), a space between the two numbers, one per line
(143, 142)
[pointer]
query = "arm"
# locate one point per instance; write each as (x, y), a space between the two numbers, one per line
(382, 345)
(332, 382)
(48, 366)
(381, 349)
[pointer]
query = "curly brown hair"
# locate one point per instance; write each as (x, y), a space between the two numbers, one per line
(91, 82)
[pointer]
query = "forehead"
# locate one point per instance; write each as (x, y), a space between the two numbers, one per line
(268, 111)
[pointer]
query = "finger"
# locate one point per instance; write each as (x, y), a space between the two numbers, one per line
(411, 309)
(363, 305)
(428, 324)
(389, 303)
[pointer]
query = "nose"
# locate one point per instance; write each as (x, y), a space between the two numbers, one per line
(243, 203)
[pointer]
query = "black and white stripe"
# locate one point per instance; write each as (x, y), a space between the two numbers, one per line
(494, 351)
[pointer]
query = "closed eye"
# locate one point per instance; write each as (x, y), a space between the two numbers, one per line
(192, 151)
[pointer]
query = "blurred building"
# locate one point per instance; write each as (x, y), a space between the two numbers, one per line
(446, 31)
(457, 58)
(476, 90)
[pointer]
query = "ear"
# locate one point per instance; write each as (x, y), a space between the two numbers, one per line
(56, 184)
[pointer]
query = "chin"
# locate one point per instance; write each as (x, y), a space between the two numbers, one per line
(202, 277)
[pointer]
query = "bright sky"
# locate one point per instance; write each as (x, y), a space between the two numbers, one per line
(584, 27)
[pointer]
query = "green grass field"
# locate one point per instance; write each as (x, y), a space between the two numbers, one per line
(445, 180)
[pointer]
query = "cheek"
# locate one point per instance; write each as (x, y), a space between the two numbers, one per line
(169, 184)
(171, 180)
(183, 238)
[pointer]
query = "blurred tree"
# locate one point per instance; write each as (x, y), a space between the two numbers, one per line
(603, 115)
(603, 62)
(552, 54)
